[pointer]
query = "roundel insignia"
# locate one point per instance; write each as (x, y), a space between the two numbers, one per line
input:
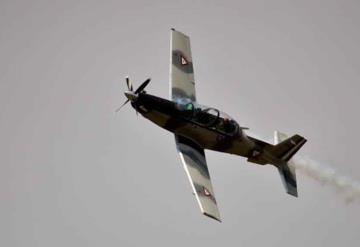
(206, 192)
(183, 60)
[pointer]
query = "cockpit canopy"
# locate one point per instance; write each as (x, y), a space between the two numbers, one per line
(207, 116)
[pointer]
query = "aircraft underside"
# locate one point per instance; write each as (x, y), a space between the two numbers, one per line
(197, 127)
(205, 137)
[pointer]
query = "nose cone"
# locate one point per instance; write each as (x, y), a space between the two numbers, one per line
(131, 96)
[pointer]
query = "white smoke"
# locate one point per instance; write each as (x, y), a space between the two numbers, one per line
(326, 175)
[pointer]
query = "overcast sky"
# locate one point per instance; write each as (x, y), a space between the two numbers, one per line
(73, 173)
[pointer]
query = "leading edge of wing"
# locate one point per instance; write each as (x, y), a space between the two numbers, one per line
(193, 159)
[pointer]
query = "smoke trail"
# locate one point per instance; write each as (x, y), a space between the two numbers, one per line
(326, 175)
(322, 173)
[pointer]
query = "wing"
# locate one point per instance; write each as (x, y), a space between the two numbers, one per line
(193, 159)
(182, 83)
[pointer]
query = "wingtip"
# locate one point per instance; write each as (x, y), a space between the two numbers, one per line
(293, 193)
(212, 217)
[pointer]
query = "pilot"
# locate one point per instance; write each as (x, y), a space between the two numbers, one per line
(228, 125)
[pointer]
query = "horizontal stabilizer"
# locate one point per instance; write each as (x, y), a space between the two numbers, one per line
(288, 177)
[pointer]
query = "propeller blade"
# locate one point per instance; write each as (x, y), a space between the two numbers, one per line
(118, 109)
(142, 86)
(128, 83)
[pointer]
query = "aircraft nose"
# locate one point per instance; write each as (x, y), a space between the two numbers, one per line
(131, 96)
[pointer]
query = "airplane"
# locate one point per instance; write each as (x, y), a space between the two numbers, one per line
(198, 128)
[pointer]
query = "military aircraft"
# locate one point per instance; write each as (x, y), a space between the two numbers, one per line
(197, 127)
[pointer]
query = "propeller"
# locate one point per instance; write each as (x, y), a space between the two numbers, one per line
(130, 93)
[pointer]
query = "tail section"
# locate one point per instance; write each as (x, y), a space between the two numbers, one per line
(284, 149)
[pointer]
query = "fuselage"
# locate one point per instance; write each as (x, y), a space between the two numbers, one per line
(206, 126)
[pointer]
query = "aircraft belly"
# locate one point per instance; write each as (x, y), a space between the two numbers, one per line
(206, 138)
(158, 118)
(203, 136)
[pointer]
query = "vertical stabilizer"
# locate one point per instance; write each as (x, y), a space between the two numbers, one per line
(287, 172)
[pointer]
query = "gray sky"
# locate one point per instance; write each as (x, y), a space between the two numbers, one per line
(73, 173)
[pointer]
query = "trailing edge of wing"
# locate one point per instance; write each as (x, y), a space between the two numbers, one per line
(193, 159)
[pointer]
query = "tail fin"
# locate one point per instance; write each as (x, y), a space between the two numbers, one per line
(284, 149)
